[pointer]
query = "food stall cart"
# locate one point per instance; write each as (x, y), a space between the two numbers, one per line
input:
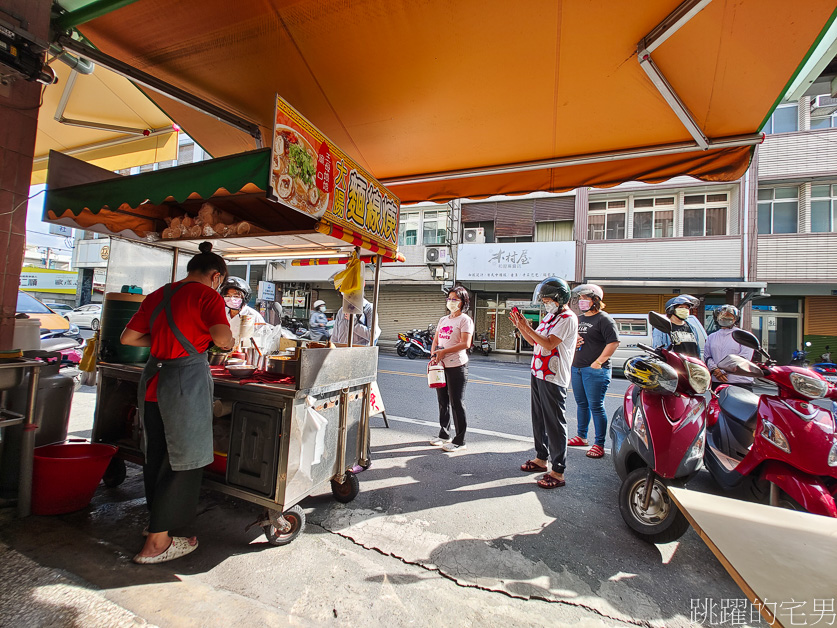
(286, 437)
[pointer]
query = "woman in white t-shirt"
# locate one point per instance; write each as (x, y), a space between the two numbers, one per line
(453, 337)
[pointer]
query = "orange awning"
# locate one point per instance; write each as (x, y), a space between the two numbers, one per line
(492, 97)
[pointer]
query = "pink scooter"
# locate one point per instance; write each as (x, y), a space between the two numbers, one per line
(784, 440)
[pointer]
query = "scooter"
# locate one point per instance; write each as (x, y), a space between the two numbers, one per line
(658, 437)
(404, 342)
(485, 344)
(782, 440)
(828, 370)
(419, 345)
(68, 345)
(800, 357)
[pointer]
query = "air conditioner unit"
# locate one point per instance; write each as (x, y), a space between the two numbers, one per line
(437, 255)
(823, 106)
(475, 235)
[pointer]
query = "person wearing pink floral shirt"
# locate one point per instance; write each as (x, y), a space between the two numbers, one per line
(453, 337)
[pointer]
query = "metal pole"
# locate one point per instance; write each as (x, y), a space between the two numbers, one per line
(174, 265)
(363, 441)
(27, 447)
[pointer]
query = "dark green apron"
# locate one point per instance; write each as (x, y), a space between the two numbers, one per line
(184, 394)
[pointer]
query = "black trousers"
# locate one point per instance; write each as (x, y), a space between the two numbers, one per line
(452, 401)
(171, 496)
(549, 423)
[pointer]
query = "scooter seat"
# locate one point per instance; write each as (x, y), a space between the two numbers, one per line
(740, 405)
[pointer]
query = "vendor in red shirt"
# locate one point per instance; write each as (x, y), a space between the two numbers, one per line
(178, 322)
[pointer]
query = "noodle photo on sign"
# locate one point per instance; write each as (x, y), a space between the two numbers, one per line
(294, 169)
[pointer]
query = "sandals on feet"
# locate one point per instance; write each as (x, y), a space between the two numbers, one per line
(179, 547)
(577, 441)
(596, 451)
(548, 481)
(529, 466)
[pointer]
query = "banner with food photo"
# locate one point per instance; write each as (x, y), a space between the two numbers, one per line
(311, 175)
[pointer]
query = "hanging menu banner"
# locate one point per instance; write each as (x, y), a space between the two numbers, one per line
(311, 175)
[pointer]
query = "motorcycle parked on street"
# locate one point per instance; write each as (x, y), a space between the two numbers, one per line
(782, 440)
(658, 436)
(800, 357)
(828, 370)
(68, 344)
(484, 344)
(404, 342)
(419, 344)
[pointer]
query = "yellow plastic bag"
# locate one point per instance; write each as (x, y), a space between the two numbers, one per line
(350, 283)
(88, 358)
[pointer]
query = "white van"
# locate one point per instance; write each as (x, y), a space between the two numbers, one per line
(633, 329)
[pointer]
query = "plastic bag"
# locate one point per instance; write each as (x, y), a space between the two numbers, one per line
(349, 282)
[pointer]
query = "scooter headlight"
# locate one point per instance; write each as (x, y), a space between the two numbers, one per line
(811, 387)
(640, 429)
(73, 330)
(832, 455)
(699, 377)
(775, 436)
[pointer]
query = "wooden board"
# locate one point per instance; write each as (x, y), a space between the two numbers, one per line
(784, 561)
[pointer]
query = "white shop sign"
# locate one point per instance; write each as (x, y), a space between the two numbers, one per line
(515, 261)
(267, 291)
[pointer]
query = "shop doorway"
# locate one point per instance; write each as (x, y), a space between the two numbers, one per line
(780, 334)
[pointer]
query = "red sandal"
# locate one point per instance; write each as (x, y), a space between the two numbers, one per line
(549, 481)
(576, 441)
(596, 451)
(529, 466)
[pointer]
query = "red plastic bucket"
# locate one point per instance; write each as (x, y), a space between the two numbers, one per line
(219, 464)
(66, 475)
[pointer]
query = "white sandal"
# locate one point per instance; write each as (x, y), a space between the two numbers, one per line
(179, 547)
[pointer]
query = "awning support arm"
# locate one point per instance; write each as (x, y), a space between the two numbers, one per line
(157, 85)
(665, 29)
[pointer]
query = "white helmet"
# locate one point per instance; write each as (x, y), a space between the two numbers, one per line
(590, 289)
(317, 304)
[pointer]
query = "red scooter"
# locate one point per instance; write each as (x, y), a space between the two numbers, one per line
(658, 437)
(783, 439)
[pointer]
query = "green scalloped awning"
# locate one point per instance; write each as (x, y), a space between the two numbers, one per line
(204, 179)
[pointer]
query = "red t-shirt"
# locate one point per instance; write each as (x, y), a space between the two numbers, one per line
(195, 308)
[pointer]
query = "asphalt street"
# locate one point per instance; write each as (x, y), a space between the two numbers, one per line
(462, 539)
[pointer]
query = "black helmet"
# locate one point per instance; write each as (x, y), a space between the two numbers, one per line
(236, 283)
(726, 312)
(552, 288)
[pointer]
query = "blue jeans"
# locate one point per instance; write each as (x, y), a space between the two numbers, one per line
(589, 387)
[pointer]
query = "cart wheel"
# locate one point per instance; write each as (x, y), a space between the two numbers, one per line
(346, 492)
(296, 517)
(115, 473)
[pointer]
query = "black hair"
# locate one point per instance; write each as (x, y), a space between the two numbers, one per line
(461, 294)
(206, 261)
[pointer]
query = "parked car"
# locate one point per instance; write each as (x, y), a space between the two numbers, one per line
(59, 308)
(51, 322)
(86, 316)
(632, 329)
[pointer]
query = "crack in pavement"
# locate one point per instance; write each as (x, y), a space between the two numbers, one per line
(467, 585)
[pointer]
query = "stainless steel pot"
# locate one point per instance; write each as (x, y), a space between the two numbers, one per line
(217, 359)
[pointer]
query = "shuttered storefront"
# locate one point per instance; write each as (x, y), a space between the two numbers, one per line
(622, 303)
(403, 308)
(820, 316)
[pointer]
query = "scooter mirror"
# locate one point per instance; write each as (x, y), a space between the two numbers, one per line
(747, 339)
(659, 322)
(808, 344)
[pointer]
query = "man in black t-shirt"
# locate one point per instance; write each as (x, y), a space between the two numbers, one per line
(683, 338)
(597, 340)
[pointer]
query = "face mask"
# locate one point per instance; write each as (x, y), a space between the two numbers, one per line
(234, 303)
(453, 306)
(550, 306)
(584, 305)
(321, 308)
(682, 313)
(726, 322)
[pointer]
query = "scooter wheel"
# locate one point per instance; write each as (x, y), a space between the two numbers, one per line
(412, 354)
(662, 522)
(401, 351)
